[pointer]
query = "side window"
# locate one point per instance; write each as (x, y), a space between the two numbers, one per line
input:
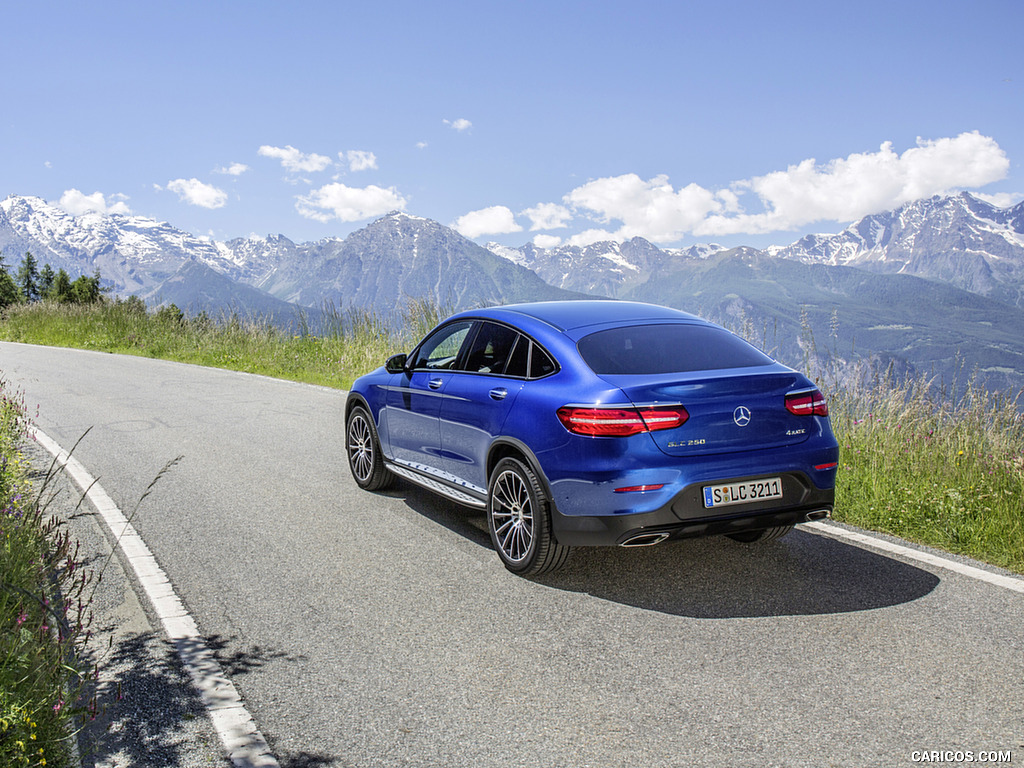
(540, 363)
(519, 363)
(491, 349)
(441, 348)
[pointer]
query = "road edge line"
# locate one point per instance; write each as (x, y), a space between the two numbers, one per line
(245, 745)
(998, 579)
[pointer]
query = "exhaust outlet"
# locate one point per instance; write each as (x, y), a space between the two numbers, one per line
(818, 514)
(645, 540)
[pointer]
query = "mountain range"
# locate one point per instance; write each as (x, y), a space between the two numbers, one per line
(934, 286)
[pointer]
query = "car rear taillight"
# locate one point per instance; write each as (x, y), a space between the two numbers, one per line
(809, 402)
(621, 422)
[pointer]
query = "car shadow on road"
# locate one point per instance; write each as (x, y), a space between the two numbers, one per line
(715, 578)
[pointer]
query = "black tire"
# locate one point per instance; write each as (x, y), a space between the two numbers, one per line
(363, 450)
(519, 521)
(765, 534)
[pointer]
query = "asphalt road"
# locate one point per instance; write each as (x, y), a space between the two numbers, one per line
(381, 630)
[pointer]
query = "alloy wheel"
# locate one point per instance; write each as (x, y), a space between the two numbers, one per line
(360, 448)
(512, 515)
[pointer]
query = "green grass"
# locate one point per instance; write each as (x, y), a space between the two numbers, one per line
(39, 690)
(353, 343)
(912, 463)
(938, 469)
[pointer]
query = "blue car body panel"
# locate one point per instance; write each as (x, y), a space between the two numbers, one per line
(453, 425)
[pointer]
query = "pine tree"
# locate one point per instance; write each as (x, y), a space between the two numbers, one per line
(28, 278)
(86, 290)
(8, 290)
(46, 278)
(61, 289)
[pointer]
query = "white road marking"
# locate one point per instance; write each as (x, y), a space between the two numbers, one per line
(1009, 582)
(243, 741)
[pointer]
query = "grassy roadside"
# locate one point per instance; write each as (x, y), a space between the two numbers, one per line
(42, 613)
(913, 464)
(354, 342)
(922, 468)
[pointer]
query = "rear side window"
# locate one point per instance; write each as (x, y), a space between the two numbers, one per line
(675, 348)
(540, 364)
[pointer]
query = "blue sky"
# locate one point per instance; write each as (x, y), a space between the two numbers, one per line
(729, 122)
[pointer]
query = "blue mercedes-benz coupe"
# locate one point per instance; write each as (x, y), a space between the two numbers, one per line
(582, 423)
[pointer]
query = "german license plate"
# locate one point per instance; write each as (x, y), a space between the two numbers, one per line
(746, 492)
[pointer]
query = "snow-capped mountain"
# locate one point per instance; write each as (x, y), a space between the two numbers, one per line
(960, 240)
(604, 268)
(397, 257)
(134, 253)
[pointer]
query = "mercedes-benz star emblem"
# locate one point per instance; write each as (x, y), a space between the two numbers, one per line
(741, 416)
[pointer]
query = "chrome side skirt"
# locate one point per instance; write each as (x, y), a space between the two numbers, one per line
(437, 487)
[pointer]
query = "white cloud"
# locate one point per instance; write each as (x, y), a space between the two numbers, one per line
(850, 188)
(547, 241)
(651, 209)
(548, 216)
(591, 236)
(842, 190)
(1001, 199)
(421, 145)
(496, 220)
(295, 161)
(730, 200)
(76, 203)
(460, 125)
(235, 169)
(359, 160)
(195, 192)
(337, 201)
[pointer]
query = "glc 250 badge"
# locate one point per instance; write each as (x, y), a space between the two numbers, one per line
(688, 443)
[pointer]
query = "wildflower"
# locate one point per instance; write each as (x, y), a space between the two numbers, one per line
(22, 618)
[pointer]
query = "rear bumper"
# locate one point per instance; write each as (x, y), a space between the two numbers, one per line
(685, 517)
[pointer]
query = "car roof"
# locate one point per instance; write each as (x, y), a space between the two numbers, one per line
(569, 315)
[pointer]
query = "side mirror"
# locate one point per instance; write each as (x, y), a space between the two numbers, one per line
(395, 363)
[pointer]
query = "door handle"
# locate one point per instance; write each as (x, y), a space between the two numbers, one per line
(498, 393)
(435, 383)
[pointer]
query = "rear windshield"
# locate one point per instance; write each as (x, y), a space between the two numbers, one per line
(676, 348)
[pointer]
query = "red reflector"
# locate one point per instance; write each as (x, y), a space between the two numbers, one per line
(620, 422)
(807, 403)
(640, 488)
(832, 465)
